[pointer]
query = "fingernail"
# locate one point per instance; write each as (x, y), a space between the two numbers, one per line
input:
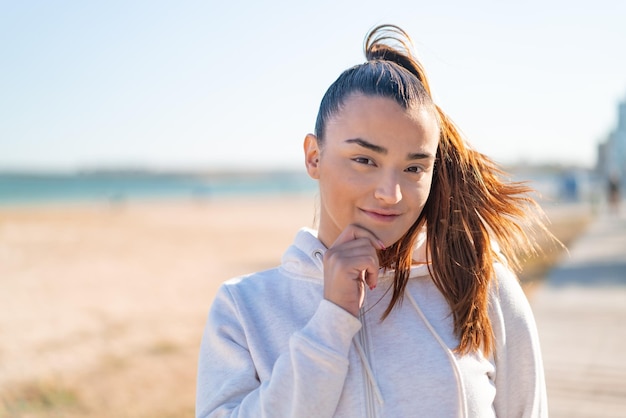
(372, 287)
(381, 245)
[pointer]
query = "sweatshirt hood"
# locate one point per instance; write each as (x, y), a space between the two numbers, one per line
(304, 257)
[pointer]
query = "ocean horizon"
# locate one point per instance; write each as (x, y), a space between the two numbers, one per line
(36, 188)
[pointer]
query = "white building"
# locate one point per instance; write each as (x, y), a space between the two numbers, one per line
(612, 153)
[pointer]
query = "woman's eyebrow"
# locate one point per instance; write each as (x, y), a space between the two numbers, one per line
(381, 150)
(419, 156)
(376, 148)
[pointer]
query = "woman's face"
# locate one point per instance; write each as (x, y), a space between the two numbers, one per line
(375, 167)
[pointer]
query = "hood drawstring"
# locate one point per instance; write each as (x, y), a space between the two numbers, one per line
(368, 371)
(318, 256)
(457, 374)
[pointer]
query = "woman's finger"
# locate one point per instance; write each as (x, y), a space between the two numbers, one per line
(354, 232)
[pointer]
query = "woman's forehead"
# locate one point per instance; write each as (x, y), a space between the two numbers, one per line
(363, 111)
(381, 122)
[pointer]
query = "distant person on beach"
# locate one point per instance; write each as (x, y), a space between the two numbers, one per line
(613, 193)
(402, 303)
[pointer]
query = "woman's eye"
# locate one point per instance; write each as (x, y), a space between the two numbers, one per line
(363, 160)
(415, 169)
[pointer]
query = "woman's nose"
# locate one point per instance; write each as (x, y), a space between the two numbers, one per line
(388, 190)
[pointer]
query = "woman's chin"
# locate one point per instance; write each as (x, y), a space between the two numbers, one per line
(387, 240)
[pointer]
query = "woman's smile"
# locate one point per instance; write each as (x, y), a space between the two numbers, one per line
(381, 215)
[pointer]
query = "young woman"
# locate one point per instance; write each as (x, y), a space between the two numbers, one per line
(402, 303)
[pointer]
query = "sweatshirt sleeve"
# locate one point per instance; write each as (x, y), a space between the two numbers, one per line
(306, 380)
(519, 379)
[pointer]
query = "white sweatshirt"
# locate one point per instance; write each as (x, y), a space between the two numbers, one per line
(273, 347)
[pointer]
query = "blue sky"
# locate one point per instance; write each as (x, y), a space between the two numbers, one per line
(206, 84)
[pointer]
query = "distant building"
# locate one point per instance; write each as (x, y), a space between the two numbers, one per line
(612, 153)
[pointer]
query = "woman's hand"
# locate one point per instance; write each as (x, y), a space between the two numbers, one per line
(350, 264)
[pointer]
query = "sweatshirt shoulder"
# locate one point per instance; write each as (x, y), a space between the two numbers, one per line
(267, 285)
(509, 307)
(507, 289)
(249, 291)
(251, 282)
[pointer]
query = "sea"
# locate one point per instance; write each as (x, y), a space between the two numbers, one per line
(28, 189)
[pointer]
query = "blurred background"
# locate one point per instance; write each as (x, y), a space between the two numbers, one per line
(150, 150)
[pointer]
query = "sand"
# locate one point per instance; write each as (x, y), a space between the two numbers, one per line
(102, 307)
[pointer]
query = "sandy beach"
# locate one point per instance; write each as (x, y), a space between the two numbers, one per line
(103, 306)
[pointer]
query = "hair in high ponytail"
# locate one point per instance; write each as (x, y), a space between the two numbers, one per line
(375, 48)
(469, 206)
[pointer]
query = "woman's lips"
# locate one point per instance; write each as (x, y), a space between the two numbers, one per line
(381, 215)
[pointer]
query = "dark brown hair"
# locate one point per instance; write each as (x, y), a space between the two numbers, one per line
(470, 202)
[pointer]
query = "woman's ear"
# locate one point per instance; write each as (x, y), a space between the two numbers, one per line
(312, 156)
